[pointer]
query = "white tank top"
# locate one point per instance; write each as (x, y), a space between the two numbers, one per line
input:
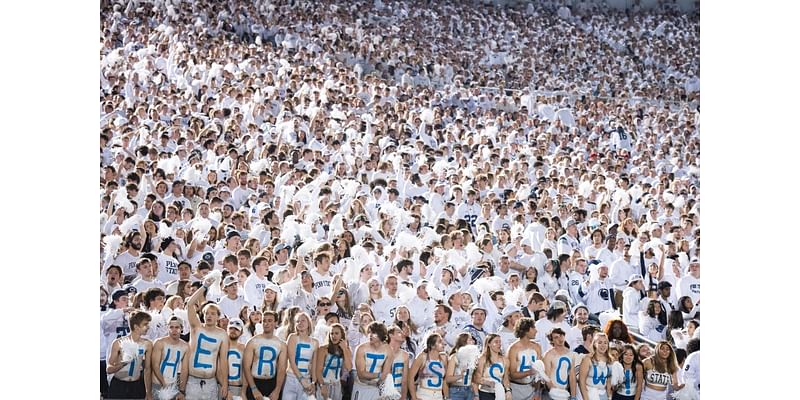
(265, 360)
(658, 379)
(332, 368)
(133, 371)
(494, 372)
(431, 376)
(628, 387)
(303, 351)
(598, 373)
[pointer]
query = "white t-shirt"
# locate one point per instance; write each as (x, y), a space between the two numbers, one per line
(230, 307)
(689, 286)
(167, 268)
(142, 285)
(691, 370)
(254, 290)
(126, 261)
(323, 284)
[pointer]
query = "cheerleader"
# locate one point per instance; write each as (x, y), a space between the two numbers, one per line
(491, 370)
(660, 372)
(333, 358)
(431, 365)
(595, 370)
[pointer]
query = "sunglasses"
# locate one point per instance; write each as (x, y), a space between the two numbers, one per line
(324, 304)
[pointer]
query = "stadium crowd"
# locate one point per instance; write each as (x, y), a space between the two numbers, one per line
(421, 199)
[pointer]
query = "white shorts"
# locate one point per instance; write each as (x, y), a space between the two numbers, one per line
(365, 392)
(197, 388)
(429, 394)
(650, 394)
(522, 392)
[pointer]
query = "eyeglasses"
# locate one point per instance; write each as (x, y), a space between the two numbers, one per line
(324, 304)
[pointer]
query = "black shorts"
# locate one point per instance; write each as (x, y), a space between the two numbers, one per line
(618, 396)
(119, 389)
(265, 387)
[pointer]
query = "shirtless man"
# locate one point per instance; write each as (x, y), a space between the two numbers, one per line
(204, 373)
(235, 356)
(132, 378)
(558, 362)
(521, 356)
(371, 363)
(264, 362)
(168, 353)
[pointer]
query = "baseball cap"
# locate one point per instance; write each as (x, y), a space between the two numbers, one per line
(118, 293)
(579, 306)
(208, 257)
(130, 289)
(236, 323)
(229, 280)
(232, 234)
(475, 308)
(508, 311)
(558, 304)
(636, 277)
(279, 247)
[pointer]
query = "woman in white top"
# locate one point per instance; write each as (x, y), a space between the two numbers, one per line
(595, 370)
(491, 369)
(652, 323)
(660, 372)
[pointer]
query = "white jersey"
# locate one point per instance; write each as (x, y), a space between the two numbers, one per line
(689, 286)
(691, 370)
(126, 261)
(469, 212)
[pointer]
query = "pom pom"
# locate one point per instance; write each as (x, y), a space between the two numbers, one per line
(112, 243)
(405, 293)
(167, 392)
(594, 393)
(201, 226)
(121, 200)
(165, 231)
(215, 276)
(559, 394)
(687, 393)
(129, 349)
(467, 356)
(134, 222)
(387, 389)
(406, 240)
(473, 254)
(488, 284)
(499, 391)
(538, 366)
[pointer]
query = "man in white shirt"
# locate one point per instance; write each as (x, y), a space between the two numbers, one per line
(323, 278)
(256, 283)
(689, 285)
(167, 263)
(231, 303)
(145, 280)
(421, 306)
(632, 302)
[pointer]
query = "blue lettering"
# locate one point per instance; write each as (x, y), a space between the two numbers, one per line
(375, 358)
(559, 379)
(297, 356)
(237, 363)
(438, 374)
(597, 378)
(133, 363)
(270, 361)
(627, 382)
(334, 364)
(201, 350)
(523, 366)
(492, 369)
(165, 363)
(466, 377)
(397, 374)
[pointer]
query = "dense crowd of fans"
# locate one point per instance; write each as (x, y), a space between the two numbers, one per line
(340, 199)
